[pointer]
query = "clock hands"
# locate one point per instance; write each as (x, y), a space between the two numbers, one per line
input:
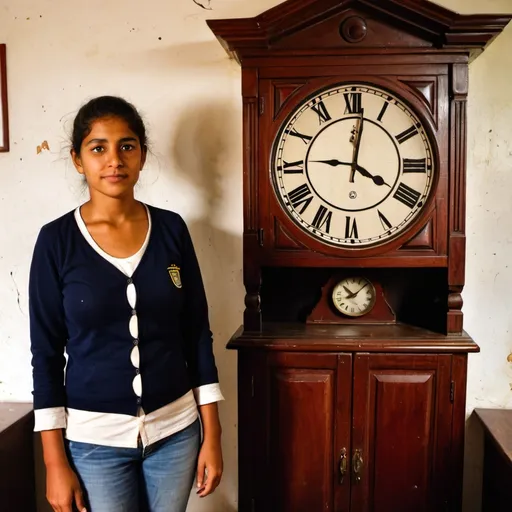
(357, 145)
(378, 180)
(352, 294)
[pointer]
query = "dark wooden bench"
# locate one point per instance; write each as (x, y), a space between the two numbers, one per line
(17, 479)
(497, 483)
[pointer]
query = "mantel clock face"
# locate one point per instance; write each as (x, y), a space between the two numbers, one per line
(353, 166)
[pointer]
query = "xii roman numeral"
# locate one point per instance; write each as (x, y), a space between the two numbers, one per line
(305, 138)
(407, 195)
(353, 101)
(301, 196)
(351, 228)
(292, 167)
(323, 218)
(320, 108)
(408, 134)
(415, 165)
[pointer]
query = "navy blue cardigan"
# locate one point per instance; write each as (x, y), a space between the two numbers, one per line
(78, 304)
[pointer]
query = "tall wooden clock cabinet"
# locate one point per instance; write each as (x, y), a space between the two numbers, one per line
(352, 357)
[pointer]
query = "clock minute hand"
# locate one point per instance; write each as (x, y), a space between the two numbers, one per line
(362, 287)
(357, 145)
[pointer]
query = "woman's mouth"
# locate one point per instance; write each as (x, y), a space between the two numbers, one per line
(115, 178)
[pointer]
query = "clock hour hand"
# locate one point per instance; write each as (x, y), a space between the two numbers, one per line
(378, 180)
(350, 293)
(332, 163)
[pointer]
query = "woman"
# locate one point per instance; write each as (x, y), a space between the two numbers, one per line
(116, 285)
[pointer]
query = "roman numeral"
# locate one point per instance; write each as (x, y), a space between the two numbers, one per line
(407, 195)
(320, 108)
(301, 196)
(353, 101)
(384, 108)
(407, 134)
(295, 133)
(385, 222)
(292, 167)
(351, 228)
(415, 165)
(323, 218)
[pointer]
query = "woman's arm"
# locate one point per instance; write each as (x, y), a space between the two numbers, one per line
(62, 485)
(210, 455)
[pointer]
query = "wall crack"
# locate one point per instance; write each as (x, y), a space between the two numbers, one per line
(207, 7)
(17, 292)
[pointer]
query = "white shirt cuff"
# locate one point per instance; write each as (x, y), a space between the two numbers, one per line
(51, 418)
(208, 394)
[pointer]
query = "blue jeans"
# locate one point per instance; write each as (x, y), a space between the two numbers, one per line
(158, 478)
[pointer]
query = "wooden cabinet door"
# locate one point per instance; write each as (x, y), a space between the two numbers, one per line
(401, 433)
(304, 440)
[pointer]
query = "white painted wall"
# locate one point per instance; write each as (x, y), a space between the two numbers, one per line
(161, 55)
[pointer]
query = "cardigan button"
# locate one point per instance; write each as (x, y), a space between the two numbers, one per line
(139, 400)
(130, 280)
(134, 312)
(135, 342)
(137, 371)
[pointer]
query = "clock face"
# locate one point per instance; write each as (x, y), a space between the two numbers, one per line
(353, 166)
(354, 296)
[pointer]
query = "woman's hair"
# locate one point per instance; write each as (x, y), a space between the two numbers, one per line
(105, 106)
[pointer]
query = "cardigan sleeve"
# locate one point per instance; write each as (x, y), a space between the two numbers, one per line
(197, 335)
(48, 332)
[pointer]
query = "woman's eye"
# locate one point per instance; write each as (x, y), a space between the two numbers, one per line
(127, 147)
(97, 149)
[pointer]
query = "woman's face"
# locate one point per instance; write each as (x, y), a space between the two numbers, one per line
(111, 158)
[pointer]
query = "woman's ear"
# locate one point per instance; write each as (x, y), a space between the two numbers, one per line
(144, 154)
(77, 161)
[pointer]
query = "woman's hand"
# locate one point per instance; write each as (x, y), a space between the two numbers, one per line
(209, 467)
(63, 489)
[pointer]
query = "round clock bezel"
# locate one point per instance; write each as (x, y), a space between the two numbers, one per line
(314, 89)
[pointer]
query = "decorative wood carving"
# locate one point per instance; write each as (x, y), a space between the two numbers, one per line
(424, 240)
(283, 239)
(325, 313)
(283, 91)
(426, 89)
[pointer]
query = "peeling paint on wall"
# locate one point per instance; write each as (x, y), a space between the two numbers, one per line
(44, 145)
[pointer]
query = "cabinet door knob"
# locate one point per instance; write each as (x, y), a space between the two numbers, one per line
(357, 465)
(343, 464)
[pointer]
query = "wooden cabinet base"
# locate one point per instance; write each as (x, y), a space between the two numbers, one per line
(357, 429)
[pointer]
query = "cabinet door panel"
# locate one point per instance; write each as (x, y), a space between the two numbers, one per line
(302, 390)
(402, 427)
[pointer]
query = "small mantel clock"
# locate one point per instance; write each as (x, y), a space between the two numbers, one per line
(352, 357)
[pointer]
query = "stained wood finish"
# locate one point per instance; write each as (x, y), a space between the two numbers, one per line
(396, 338)
(443, 28)
(17, 479)
(394, 392)
(401, 425)
(301, 479)
(497, 424)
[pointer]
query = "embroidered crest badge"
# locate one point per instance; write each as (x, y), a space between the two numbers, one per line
(174, 272)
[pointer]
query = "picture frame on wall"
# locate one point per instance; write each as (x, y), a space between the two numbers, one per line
(4, 118)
